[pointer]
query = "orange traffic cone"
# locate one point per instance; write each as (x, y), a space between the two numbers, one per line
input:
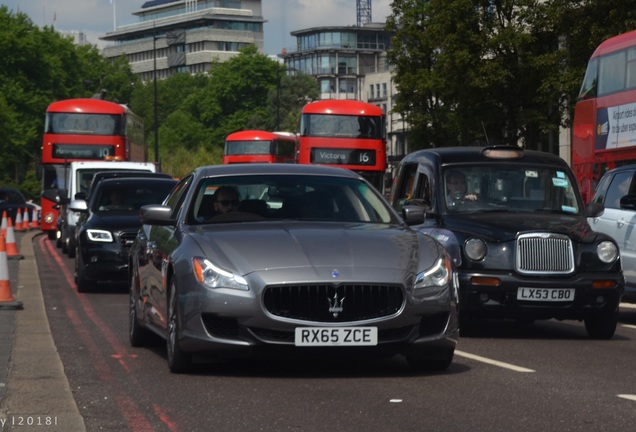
(6, 297)
(4, 224)
(26, 222)
(18, 221)
(11, 246)
(35, 219)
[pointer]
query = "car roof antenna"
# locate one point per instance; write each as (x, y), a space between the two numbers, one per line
(485, 134)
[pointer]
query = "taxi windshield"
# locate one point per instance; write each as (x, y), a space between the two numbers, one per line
(510, 188)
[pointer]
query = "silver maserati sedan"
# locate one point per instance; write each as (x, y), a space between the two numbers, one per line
(285, 259)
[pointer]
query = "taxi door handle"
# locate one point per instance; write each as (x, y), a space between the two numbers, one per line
(620, 222)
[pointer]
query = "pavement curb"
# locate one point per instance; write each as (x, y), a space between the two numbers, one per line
(37, 390)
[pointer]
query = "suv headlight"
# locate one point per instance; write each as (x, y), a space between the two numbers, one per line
(607, 251)
(437, 276)
(215, 277)
(100, 236)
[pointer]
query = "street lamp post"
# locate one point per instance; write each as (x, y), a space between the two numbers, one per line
(154, 79)
(278, 99)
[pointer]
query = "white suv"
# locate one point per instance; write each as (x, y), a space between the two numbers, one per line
(617, 192)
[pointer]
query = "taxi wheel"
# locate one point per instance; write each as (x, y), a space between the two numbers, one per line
(601, 326)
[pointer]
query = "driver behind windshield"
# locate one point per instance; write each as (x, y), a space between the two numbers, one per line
(456, 189)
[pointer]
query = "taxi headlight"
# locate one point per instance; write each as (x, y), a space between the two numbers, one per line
(215, 277)
(607, 251)
(475, 249)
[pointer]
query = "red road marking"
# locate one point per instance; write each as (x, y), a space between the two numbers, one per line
(129, 409)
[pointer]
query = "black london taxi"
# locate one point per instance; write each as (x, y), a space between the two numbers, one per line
(515, 225)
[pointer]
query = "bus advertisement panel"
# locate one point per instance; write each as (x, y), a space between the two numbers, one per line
(253, 146)
(604, 126)
(346, 133)
(84, 130)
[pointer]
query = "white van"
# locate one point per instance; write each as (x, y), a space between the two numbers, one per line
(79, 176)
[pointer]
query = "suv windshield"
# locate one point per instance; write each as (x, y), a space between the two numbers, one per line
(508, 188)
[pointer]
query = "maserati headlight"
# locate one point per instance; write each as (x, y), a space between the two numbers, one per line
(100, 236)
(437, 276)
(607, 251)
(215, 277)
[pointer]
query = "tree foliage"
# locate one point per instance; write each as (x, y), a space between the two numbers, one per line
(196, 113)
(39, 66)
(477, 71)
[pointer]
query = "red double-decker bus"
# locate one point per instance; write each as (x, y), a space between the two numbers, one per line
(346, 133)
(604, 127)
(250, 146)
(83, 130)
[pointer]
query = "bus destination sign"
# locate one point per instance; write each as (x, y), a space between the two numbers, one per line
(82, 151)
(335, 156)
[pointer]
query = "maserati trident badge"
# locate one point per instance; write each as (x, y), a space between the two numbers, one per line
(335, 305)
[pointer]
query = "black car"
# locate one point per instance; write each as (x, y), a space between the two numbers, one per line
(12, 200)
(102, 175)
(108, 225)
(67, 221)
(516, 227)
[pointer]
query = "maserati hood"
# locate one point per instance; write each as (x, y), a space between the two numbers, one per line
(354, 251)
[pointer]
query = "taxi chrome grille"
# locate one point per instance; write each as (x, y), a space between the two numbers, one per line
(333, 303)
(542, 253)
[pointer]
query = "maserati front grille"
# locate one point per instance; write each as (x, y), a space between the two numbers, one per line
(333, 303)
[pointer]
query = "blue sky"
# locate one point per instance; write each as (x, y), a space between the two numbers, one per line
(96, 17)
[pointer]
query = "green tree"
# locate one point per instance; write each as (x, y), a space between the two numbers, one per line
(196, 113)
(287, 99)
(476, 71)
(39, 66)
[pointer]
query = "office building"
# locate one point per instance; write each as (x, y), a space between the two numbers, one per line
(350, 62)
(186, 35)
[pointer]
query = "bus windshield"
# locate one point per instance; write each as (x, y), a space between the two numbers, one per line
(349, 126)
(248, 148)
(83, 124)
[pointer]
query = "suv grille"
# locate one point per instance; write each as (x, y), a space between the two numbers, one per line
(540, 253)
(126, 240)
(333, 303)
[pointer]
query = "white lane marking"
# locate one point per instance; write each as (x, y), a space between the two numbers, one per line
(493, 362)
(628, 397)
(629, 326)
(628, 305)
